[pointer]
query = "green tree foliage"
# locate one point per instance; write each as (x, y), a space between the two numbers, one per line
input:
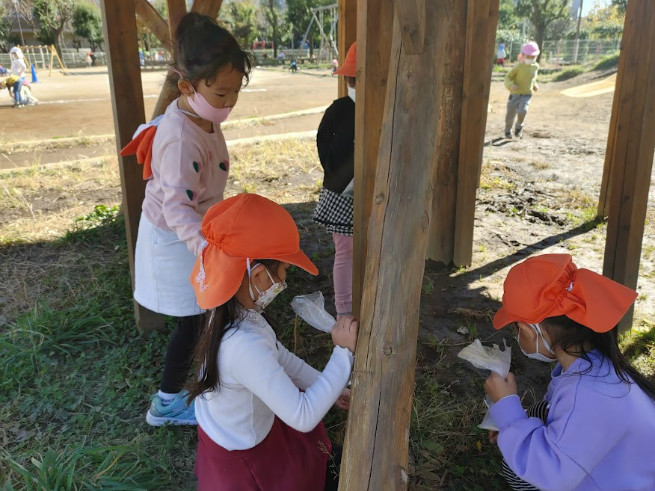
(52, 17)
(605, 22)
(542, 13)
(507, 18)
(621, 5)
(87, 24)
(241, 21)
(299, 16)
(274, 25)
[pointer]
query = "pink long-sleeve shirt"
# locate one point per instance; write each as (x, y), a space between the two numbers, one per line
(189, 173)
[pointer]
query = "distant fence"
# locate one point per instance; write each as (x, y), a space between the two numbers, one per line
(562, 52)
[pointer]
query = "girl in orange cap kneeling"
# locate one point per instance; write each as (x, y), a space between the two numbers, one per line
(596, 426)
(258, 406)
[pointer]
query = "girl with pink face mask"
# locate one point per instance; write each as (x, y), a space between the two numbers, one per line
(187, 167)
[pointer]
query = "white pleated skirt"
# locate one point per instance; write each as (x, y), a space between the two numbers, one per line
(162, 266)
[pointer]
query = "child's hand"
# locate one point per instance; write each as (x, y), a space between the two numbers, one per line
(344, 333)
(497, 387)
(515, 87)
(343, 401)
(493, 436)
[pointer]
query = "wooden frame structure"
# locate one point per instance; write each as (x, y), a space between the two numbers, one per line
(420, 122)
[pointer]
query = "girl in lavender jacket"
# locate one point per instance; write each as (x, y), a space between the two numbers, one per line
(595, 428)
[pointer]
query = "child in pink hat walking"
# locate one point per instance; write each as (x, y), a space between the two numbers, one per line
(521, 81)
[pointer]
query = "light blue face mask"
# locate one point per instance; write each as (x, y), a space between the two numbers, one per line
(537, 355)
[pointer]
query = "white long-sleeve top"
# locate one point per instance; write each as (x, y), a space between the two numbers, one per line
(260, 378)
(18, 67)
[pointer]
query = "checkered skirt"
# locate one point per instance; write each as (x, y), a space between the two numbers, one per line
(334, 212)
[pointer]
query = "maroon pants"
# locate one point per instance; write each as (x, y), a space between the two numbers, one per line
(286, 460)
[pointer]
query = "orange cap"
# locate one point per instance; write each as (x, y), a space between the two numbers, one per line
(349, 67)
(550, 285)
(246, 226)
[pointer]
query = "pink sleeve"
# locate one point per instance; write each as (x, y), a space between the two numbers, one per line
(179, 169)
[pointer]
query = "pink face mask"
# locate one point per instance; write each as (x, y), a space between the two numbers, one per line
(203, 108)
(206, 111)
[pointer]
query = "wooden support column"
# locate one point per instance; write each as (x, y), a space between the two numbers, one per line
(377, 437)
(632, 146)
(176, 10)
(442, 227)
(374, 21)
(119, 21)
(465, 100)
(346, 35)
(209, 8)
(482, 19)
(153, 21)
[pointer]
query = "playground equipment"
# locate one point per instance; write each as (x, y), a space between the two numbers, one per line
(328, 48)
(42, 57)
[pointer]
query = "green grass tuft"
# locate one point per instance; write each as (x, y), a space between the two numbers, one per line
(568, 74)
(607, 62)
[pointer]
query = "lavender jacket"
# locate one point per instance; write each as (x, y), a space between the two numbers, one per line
(600, 432)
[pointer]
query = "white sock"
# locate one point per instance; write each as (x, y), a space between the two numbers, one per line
(166, 397)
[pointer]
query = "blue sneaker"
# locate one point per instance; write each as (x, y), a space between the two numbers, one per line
(175, 412)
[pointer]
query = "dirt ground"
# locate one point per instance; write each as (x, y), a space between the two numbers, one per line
(537, 195)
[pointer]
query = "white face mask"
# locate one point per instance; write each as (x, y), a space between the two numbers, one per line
(537, 355)
(529, 61)
(268, 295)
(351, 92)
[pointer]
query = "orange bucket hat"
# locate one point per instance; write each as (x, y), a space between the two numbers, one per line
(349, 67)
(550, 285)
(239, 229)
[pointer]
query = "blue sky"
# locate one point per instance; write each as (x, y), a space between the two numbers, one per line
(590, 4)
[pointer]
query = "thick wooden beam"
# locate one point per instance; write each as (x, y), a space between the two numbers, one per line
(208, 7)
(374, 21)
(153, 21)
(633, 146)
(482, 19)
(119, 21)
(442, 226)
(346, 35)
(411, 16)
(176, 10)
(377, 436)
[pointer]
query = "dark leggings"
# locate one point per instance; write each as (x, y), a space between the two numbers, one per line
(179, 354)
(333, 467)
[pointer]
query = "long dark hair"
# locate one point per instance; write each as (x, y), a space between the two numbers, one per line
(571, 337)
(219, 319)
(202, 48)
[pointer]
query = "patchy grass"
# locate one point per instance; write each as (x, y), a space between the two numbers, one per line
(569, 73)
(76, 375)
(607, 62)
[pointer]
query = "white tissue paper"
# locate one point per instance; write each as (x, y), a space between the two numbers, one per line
(488, 358)
(311, 308)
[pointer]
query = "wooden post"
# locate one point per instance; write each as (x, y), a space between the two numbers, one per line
(461, 130)
(374, 22)
(176, 10)
(632, 148)
(346, 35)
(153, 21)
(209, 8)
(482, 18)
(442, 226)
(119, 21)
(377, 437)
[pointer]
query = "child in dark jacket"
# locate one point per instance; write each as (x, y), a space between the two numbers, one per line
(336, 147)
